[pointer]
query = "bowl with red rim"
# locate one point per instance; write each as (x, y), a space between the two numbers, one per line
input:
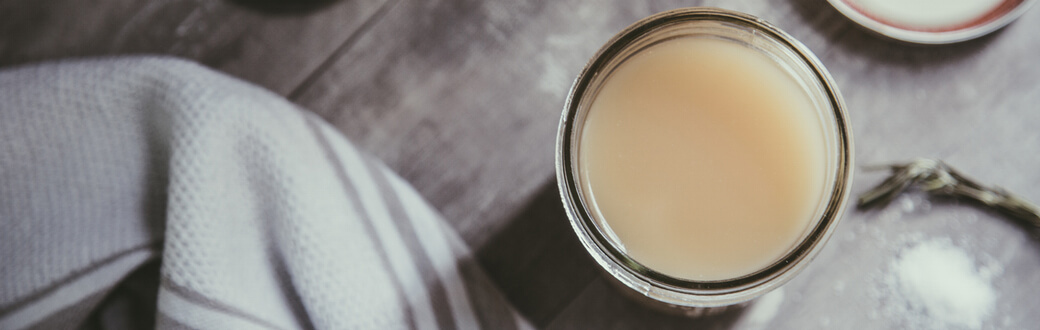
(932, 21)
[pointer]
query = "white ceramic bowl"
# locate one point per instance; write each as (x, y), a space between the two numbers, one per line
(1004, 14)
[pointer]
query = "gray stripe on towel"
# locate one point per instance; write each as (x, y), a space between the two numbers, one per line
(438, 295)
(212, 304)
(351, 192)
(165, 322)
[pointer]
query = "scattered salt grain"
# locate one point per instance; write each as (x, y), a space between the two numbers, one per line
(763, 310)
(942, 281)
(839, 286)
(907, 204)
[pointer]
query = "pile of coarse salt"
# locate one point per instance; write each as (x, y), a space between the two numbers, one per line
(942, 283)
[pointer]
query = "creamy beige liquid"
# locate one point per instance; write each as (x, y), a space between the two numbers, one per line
(705, 158)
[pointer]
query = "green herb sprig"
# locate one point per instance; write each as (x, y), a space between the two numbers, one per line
(937, 178)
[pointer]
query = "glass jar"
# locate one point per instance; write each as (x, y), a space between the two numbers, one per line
(689, 296)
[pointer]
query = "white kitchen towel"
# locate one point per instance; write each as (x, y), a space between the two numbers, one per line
(262, 216)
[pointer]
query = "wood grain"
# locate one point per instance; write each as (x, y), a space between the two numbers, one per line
(277, 51)
(462, 98)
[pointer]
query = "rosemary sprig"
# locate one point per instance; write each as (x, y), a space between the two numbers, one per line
(937, 178)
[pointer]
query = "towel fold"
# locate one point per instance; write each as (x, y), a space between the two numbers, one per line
(131, 180)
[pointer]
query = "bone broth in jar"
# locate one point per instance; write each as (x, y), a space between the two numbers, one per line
(704, 157)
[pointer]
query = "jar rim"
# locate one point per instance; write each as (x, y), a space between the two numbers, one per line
(659, 286)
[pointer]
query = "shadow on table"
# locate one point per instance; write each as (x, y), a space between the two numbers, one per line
(284, 7)
(546, 274)
(858, 40)
(1025, 225)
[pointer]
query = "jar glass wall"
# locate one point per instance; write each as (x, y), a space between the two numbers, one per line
(753, 34)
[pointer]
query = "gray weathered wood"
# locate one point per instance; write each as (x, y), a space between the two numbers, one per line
(463, 97)
(277, 51)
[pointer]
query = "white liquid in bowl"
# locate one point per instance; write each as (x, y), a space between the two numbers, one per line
(927, 14)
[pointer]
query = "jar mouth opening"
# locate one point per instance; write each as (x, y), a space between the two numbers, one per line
(751, 32)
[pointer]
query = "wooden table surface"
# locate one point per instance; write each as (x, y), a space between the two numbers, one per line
(462, 98)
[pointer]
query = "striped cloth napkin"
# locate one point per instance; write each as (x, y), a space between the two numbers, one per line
(144, 192)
